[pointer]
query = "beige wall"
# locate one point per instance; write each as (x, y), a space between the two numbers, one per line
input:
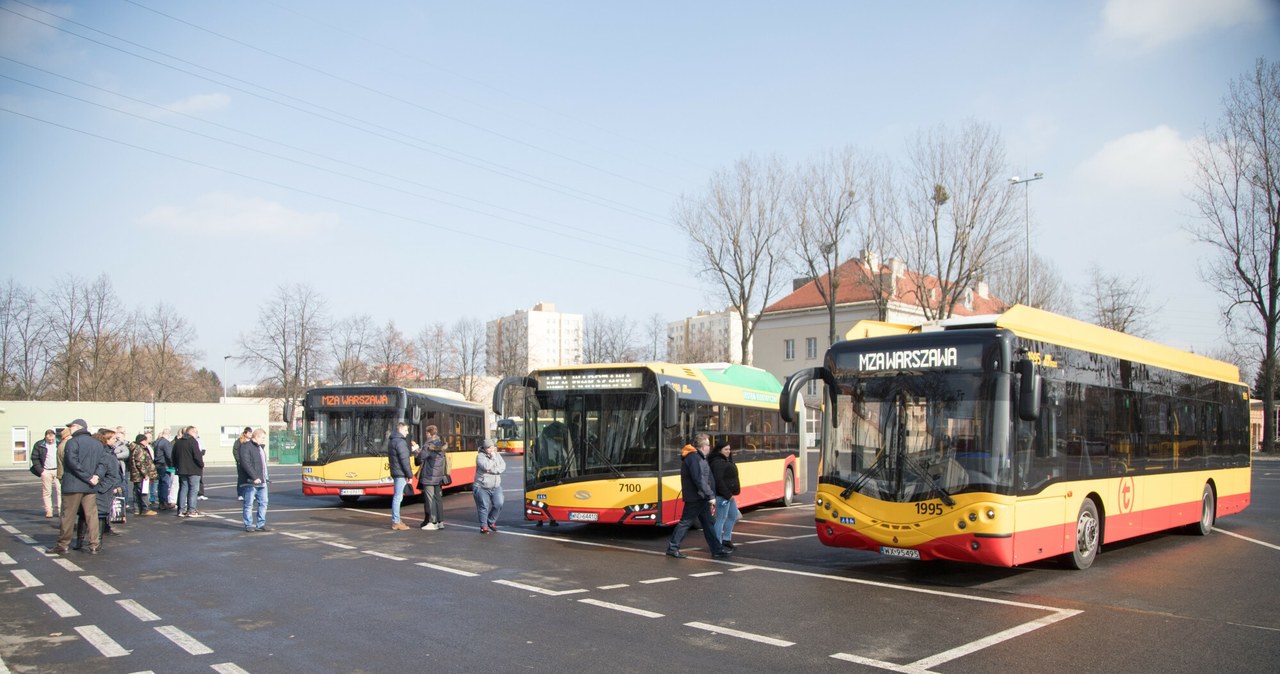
(210, 418)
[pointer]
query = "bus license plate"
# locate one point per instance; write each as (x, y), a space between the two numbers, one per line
(583, 517)
(351, 492)
(899, 552)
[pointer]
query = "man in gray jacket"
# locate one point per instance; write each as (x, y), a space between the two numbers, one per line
(82, 470)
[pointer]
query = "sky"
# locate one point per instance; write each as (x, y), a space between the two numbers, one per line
(424, 162)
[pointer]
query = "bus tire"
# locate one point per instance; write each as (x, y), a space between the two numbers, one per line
(1088, 539)
(348, 498)
(1208, 513)
(789, 487)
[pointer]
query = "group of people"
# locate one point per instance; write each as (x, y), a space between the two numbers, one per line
(709, 487)
(434, 475)
(85, 477)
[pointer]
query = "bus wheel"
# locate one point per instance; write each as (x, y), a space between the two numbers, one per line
(1208, 513)
(1087, 538)
(348, 498)
(789, 488)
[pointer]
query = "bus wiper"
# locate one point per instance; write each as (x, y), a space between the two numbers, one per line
(601, 455)
(921, 472)
(866, 475)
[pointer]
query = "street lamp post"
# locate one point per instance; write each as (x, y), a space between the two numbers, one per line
(224, 375)
(1026, 204)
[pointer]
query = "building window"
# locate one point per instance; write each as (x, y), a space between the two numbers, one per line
(810, 347)
(789, 349)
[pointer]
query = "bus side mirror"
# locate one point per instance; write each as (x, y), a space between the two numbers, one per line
(500, 392)
(670, 406)
(1028, 391)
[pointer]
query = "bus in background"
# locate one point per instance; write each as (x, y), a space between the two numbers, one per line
(510, 434)
(345, 431)
(609, 440)
(1017, 437)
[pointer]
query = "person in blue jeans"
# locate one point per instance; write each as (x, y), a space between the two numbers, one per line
(697, 491)
(401, 471)
(725, 476)
(488, 486)
(251, 480)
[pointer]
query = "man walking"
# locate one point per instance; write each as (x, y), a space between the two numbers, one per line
(401, 471)
(82, 470)
(251, 479)
(44, 457)
(189, 462)
(698, 491)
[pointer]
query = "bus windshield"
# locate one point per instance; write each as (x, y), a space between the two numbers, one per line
(335, 435)
(592, 435)
(918, 436)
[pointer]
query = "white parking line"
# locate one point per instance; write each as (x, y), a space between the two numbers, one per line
(613, 587)
(1005, 635)
(6, 559)
(184, 641)
(58, 605)
(1246, 538)
(383, 555)
(26, 539)
(290, 534)
(138, 610)
(67, 564)
(99, 640)
(99, 585)
(704, 574)
(11, 529)
(759, 638)
(625, 609)
(539, 590)
(26, 578)
(342, 546)
(228, 668)
(437, 567)
(664, 579)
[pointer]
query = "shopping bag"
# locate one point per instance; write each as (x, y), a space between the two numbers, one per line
(117, 510)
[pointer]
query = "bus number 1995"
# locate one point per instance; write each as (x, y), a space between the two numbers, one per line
(629, 487)
(929, 509)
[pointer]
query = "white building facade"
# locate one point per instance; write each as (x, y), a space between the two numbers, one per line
(709, 337)
(531, 339)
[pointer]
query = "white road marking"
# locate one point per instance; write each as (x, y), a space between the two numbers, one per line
(625, 609)
(665, 579)
(184, 641)
(383, 555)
(26, 539)
(58, 605)
(290, 534)
(880, 664)
(613, 587)
(11, 529)
(770, 524)
(532, 588)
(67, 564)
(759, 638)
(342, 546)
(99, 640)
(26, 578)
(1005, 635)
(6, 559)
(228, 668)
(138, 610)
(704, 574)
(99, 585)
(437, 567)
(1246, 538)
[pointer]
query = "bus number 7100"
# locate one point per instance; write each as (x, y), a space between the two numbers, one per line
(629, 487)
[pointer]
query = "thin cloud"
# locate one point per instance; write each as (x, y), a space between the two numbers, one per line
(20, 36)
(1155, 160)
(1153, 23)
(220, 214)
(194, 105)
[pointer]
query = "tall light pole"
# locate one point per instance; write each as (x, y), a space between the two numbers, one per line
(224, 375)
(1026, 204)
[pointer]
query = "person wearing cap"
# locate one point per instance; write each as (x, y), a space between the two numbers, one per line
(488, 485)
(142, 473)
(82, 470)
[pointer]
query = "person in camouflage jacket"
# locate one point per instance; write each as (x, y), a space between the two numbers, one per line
(142, 466)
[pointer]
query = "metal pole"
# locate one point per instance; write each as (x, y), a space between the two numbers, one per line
(1026, 205)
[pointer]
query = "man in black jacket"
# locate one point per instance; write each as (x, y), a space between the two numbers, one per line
(82, 470)
(189, 463)
(401, 471)
(44, 458)
(698, 490)
(164, 461)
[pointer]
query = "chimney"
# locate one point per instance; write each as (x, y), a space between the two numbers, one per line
(872, 259)
(984, 290)
(799, 283)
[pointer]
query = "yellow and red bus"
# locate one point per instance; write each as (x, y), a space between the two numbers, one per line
(1022, 436)
(609, 440)
(510, 436)
(345, 431)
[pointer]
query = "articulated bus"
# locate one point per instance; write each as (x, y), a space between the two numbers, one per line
(1022, 436)
(609, 439)
(346, 428)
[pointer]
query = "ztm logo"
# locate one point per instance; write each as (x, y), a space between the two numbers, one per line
(1126, 494)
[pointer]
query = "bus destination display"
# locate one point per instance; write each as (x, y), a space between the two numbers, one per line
(579, 381)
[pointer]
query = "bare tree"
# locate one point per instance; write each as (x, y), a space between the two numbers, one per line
(701, 348)
(390, 355)
(65, 308)
(1121, 304)
(433, 350)
(286, 343)
(1049, 291)
(169, 341)
(827, 194)
(467, 338)
(25, 334)
(1237, 192)
(608, 340)
(655, 330)
(507, 347)
(105, 325)
(959, 213)
(736, 231)
(349, 344)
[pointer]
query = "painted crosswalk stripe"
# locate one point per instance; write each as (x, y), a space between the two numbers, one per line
(67, 564)
(342, 546)
(6, 559)
(704, 574)
(99, 585)
(184, 641)
(437, 567)
(758, 638)
(619, 607)
(138, 610)
(99, 640)
(58, 605)
(613, 587)
(26, 539)
(539, 590)
(24, 576)
(290, 534)
(228, 668)
(651, 581)
(11, 529)
(383, 555)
